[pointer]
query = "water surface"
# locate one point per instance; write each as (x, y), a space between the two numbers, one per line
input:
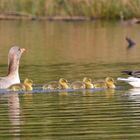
(71, 50)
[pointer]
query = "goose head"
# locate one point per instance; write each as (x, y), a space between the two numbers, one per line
(14, 56)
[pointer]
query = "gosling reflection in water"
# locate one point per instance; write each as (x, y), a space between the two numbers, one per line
(109, 93)
(63, 93)
(28, 99)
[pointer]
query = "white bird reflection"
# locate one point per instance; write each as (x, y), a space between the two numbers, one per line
(134, 91)
(134, 94)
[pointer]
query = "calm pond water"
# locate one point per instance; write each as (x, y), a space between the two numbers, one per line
(71, 50)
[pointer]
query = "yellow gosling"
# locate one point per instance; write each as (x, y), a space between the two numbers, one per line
(99, 84)
(27, 85)
(88, 83)
(110, 83)
(107, 83)
(63, 83)
(17, 87)
(54, 85)
(78, 85)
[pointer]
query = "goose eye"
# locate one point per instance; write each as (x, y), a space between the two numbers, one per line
(19, 49)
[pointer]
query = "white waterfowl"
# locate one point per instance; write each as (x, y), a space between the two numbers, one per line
(133, 80)
(12, 77)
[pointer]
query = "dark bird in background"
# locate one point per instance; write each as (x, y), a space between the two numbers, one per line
(131, 43)
(135, 73)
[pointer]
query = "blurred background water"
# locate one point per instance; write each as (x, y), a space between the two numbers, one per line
(71, 50)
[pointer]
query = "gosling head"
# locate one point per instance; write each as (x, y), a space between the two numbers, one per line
(110, 82)
(63, 83)
(28, 81)
(88, 82)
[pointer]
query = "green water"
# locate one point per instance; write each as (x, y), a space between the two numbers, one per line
(71, 50)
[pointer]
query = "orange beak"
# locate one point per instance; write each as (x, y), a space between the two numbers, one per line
(23, 50)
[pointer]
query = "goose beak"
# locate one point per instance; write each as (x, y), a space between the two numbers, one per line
(23, 50)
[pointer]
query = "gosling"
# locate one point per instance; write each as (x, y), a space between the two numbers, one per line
(25, 86)
(107, 83)
(55, 85)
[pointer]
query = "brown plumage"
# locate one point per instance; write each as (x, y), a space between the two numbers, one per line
(12, 77)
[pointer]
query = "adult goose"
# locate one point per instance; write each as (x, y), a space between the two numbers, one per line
(133, 79)
(12, 77)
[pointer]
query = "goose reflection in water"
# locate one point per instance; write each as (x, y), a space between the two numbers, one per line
(14, 113)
